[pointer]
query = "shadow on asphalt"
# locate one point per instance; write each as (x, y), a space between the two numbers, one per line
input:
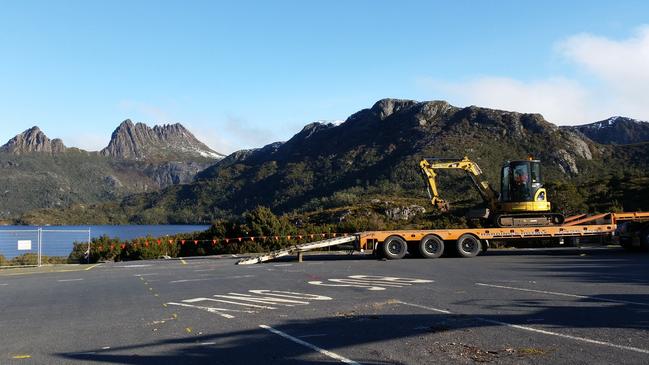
(344, 331)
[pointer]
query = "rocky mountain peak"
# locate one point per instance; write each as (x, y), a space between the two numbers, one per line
(33, 140)
(140, 142)
(616, 130)
(386, 107)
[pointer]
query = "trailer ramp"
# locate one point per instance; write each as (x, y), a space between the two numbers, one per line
(297, 249)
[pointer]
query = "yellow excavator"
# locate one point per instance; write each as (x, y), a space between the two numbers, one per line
(522, 201)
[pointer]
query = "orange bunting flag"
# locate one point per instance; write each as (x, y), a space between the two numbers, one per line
(252, 239)
(182, 242)
(171, 241)
(324, 235)
(240, 239)
(288, 237)
(123, 246)
(213, 242)
(276, 238)
(195, 243)
(227, 240)
(311, 236)
(112, 247)
(334, 235)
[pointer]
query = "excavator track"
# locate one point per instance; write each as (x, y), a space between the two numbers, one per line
(528, 220)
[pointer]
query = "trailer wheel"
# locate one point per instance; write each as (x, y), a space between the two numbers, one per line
(468, 245)
(430, 247)
(394, 247)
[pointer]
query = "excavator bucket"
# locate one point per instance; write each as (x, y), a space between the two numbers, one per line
(442, 205)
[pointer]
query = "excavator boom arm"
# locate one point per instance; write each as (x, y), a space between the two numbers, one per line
(428, 167)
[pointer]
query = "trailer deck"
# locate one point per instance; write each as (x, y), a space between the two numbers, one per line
(467, 241)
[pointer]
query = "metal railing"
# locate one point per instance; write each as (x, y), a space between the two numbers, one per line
(39, 246)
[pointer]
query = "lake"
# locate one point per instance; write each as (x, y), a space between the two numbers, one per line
(58, 240)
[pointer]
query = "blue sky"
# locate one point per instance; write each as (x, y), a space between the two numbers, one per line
(246, 74)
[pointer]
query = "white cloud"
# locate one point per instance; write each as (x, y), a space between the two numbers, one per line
(622, 65)
(231, 135)
(613, 80)
(560, 100)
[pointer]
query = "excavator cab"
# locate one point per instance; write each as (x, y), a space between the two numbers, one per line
(521, 181)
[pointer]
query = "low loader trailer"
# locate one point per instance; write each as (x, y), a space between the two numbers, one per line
(631, 230)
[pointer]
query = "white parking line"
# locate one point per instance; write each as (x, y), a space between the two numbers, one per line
(213, 278)
(311, 346)
(189, 280)
(4, 284)
(583, 339)
(65, 280)
(131, 266)
(563, 294)
(425, 307)
(530, 329)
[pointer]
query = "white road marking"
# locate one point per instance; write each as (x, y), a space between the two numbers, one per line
(576, 338)
(315, 335)
(311, 346)
(4, 284)
(530, 329)
(207, 343)
(212, 309)
(283, 265)
(371, 282)
(564, 294)
(228, 302)
(425, 307)
(262, 300)
(131, 266)
(189, 280)
(140, 275)
(212, 278)
(65, 280)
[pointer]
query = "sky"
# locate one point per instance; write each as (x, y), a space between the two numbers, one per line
(243, 74)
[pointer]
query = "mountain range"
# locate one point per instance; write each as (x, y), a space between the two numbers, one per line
(373, 156)
(616, 130)
(39, 172)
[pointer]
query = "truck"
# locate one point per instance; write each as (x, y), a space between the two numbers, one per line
(519, 212)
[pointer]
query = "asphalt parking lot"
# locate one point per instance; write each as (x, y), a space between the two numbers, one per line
(510, 307)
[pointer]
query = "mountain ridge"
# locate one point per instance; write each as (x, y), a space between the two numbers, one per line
(39, 172)
(615, 130)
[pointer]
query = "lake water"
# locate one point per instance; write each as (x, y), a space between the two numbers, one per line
(58, 240)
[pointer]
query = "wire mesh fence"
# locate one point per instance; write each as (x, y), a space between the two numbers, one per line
(39, 246)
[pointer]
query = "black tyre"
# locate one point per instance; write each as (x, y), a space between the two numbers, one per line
(468, 245)
(430, 247)
(394, 247)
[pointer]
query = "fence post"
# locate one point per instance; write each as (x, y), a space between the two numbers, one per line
(88, 245)
(40, 247)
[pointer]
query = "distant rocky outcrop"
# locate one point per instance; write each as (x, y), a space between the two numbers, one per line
(615, 130)
(33, 140)
(140, 142)
(41, 173)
